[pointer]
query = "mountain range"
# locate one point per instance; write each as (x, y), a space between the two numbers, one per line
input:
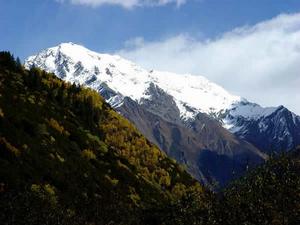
(217, 135)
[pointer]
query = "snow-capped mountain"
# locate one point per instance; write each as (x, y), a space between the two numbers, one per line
(271, 129)
(74, 63)
(187, 116)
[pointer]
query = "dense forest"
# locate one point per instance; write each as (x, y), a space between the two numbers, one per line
(66, 157)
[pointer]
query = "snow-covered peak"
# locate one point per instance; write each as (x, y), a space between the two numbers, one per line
(192, 94)
(78, 64)
(250, 111)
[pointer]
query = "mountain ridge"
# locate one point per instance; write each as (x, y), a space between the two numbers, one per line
(141, 79)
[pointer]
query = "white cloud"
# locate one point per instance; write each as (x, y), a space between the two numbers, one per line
(260, 62)
(125, 3)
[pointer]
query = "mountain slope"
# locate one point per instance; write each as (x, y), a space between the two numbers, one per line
(179, 102)
(66, 157)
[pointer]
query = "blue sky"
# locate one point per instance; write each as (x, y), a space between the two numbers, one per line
(250, 47)
(31, 25)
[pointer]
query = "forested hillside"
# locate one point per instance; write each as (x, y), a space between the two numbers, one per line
(268, 195)
(67, 157)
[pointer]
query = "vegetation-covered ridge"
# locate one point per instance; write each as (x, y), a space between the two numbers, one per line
(67, 158)
(67, 155)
